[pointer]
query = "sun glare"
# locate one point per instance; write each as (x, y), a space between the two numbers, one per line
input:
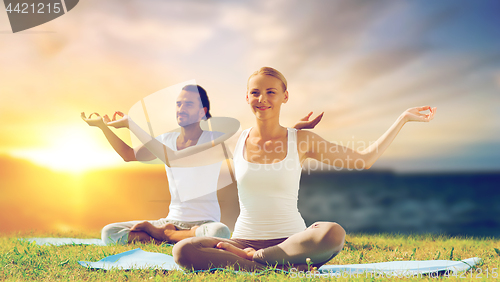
(73, 151)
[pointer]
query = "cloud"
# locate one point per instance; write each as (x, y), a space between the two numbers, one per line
(369, 67)
(326, 31)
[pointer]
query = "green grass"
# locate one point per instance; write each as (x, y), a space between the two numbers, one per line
(26, 261)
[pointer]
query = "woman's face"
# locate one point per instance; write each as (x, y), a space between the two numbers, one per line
(265, 95)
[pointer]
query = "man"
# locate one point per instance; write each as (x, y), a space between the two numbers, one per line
(187, 217)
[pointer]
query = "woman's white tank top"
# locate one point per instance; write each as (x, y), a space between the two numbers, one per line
(268, 194)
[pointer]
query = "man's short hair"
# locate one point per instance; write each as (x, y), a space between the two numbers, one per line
(205, 102)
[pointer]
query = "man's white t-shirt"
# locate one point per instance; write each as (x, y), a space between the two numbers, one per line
(193, 190)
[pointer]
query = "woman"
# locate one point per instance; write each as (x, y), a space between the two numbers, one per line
(267, 161)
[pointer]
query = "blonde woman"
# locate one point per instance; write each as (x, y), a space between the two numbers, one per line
(267, 161)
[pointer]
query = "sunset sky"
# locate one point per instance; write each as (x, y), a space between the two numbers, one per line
(361, 62)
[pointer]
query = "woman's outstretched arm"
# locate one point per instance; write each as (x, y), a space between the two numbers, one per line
(333, 154)
(375, 150)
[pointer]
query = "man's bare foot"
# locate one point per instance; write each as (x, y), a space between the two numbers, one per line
(243, 253)
(168, 226)
(141, 226)
(175, 236)
(158, 233)
(192, 231)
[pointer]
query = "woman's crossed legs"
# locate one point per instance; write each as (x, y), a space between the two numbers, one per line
(320, 242)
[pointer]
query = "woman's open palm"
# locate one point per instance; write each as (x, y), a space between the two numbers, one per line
(413, 114)
(305, 123)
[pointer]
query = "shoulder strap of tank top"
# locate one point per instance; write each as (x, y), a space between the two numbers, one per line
(292, 140)
(238, 149)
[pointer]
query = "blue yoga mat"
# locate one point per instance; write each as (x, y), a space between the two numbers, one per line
(139, 259)
(64, 241)
(134, 259)
(398, 268)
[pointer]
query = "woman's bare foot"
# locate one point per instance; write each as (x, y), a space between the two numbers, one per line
(243, 253)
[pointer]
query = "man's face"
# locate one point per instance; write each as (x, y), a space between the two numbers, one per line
(189, 109)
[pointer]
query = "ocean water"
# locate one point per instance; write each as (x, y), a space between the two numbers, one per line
(458, 204)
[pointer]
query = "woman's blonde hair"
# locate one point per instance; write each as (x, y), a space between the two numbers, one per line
(271, 72)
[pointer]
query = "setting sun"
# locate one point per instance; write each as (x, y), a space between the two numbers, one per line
(72, 151)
